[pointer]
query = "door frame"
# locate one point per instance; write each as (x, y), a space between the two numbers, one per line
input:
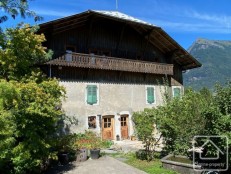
(112, 123)
(127, 122)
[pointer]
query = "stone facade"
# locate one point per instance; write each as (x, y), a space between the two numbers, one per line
(113, 99)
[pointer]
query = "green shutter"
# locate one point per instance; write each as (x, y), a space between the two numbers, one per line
(91, 94)
(176, 92)
(150, 95)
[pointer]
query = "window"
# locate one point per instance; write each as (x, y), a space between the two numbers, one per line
(92, 122)
(123, 121)
(107, 122)
(176, 91)
(150, 95)
(92, 94)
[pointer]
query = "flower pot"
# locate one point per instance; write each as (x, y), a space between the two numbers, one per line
(133, 138)
(95, 153)
(63, 158)
(82, 155)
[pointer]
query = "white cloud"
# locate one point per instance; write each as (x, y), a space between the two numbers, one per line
(45, 12)
(222, 19)
(185, 19)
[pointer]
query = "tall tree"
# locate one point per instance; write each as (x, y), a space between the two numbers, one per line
(21, 49)
(28, 103)
(14, 8)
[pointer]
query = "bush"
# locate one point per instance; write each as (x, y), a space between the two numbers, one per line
(91, 140)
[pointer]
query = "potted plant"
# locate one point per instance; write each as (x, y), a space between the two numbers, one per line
(66, 149)
(95, 147)
(89, 140)
(82, 144)
(133, 137)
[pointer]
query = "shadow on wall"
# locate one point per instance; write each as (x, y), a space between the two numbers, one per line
(64, 125)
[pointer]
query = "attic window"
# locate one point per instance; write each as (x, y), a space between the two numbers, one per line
(92, 122)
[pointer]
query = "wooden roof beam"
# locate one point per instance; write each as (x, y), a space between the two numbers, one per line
(66, 29)
(72, 20)
(68, 26)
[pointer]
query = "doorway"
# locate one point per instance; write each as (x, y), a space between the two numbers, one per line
(108, 127)
(124, 126)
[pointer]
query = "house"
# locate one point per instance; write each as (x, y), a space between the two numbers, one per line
(112, 65)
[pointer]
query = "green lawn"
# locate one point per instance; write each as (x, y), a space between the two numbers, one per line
(153, 167)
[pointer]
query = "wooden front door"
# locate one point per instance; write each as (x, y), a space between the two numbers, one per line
(124, 126)
(108, 127)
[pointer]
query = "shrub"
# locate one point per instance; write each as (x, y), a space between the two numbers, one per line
(90, 140)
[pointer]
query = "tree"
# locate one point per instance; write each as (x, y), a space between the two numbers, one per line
(195, 113)
(28, 100)
(179, 120)
(21, 49)
(144, 127)
(15, 8)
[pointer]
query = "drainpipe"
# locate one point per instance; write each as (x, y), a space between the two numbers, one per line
(50, 71)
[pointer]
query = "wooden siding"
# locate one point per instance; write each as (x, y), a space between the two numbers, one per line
(111, 63)
(120, 39)
(103, 76)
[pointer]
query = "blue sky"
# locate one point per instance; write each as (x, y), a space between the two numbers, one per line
(184, 20)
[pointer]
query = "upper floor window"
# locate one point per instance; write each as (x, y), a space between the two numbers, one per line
(176, 91)
(150, 95)
(92, 94)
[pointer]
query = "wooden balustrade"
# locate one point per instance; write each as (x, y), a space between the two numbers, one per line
(111, 63)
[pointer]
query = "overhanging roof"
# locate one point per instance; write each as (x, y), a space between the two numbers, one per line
(156, 35)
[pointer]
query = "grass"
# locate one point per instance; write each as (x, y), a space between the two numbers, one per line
(152, 167)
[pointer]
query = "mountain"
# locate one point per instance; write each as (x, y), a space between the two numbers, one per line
(215, 57)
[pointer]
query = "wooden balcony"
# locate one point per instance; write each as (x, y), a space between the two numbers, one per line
(111, 63)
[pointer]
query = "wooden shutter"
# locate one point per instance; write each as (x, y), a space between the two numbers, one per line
(176, 92)
(150, 95)
(91, 94)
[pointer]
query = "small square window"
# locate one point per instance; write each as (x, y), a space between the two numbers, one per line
(92, 122)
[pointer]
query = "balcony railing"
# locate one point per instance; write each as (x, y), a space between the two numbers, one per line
(111, 63)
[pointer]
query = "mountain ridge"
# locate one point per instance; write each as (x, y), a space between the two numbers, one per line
(215, 56)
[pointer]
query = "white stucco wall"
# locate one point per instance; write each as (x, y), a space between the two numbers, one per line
(114, 99)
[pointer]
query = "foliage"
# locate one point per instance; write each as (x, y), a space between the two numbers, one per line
(144, 126)
(195, 113)
(28, 100)
(15, 8)
(181, 119)
(172, 120)
(90, 140)
(20, 49)
(66, 143)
